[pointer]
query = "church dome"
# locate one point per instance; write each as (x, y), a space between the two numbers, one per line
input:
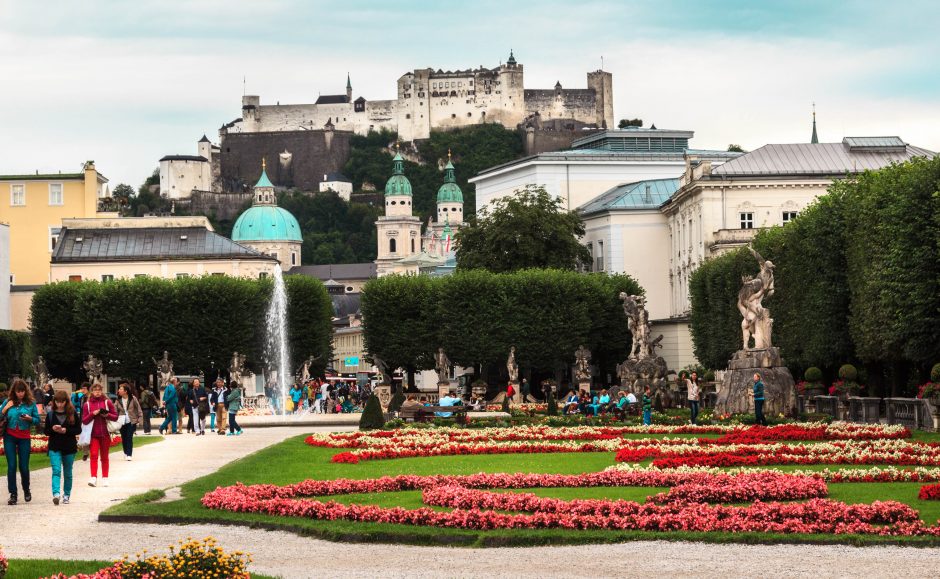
(266, 223)
(398, 184)
(449, 192)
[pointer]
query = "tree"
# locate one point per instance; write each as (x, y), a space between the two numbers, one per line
(624, 123)
(123, 192)
(525, 230)
(735, 148)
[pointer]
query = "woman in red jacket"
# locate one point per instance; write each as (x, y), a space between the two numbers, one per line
(98, 411)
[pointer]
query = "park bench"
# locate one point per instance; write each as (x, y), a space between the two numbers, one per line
(426, 413)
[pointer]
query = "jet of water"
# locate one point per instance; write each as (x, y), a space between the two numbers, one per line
(278, 351)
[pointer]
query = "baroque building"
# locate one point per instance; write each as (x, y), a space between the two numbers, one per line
(267, 228)
(428, 99)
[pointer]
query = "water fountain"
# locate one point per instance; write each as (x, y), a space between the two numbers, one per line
(278, 350)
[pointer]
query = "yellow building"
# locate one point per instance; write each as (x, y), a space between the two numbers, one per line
(34, 206)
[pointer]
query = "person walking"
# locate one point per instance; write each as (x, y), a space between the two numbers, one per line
(234, 400)
(21, 414)
(296, 395)
(647, 407)
(62, 426)
(170, 405)
(130, 416)
(694, 396)
(221, 407)
(148, 402)
(185, 398)
(99, 411)
(199, 402)
(758, 394)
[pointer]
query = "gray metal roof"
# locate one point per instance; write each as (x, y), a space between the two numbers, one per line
(148, 244)
(830, 159)
(649, 194)
(337, 176)
(336, 271)
(183, 158)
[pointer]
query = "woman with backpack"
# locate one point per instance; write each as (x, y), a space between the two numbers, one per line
(234, 400)
(130, 416)
(19, 416)
(98, 411)
(62, 426)
(147, 404)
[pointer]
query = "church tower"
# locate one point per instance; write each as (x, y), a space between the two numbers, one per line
(449, 211)
(267, 228)
(399, 232)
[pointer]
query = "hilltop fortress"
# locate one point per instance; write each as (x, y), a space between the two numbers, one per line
(431, 100)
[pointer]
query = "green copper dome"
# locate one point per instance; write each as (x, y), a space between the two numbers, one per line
(449, 192)
(266, 223)
(398, 184)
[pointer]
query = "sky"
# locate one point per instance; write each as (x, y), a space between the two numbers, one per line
(125, 83)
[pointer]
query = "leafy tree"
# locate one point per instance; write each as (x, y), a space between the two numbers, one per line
(16, 355)
(624, 123)
(309, 322)
(528, 229)
(735, 148)
(123, 192)
(372, 417)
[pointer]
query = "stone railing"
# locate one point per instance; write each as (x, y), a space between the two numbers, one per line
(910, 412)
(828, 405)
(864, 409)
(728, 238)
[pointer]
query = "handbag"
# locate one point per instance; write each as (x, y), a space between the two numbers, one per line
(84, 439)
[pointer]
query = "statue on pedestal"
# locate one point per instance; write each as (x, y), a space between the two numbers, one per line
(582, 364)
(41, 371)
(304, 373)
(164, 370)
(757, 321)
(511, 367)
(93, 369)
(642, 366)
(442, 365)
(237, 367)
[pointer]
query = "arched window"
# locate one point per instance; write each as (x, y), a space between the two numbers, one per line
(391, 246)
(412, 246)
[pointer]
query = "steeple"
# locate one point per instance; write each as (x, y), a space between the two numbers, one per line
(348, 88)
(512, 59)
(449, 176)
(815, 138)
(264, 189)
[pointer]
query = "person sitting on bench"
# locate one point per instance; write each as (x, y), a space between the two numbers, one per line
(449, 400)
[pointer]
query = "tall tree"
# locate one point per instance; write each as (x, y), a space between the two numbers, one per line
(528, 229)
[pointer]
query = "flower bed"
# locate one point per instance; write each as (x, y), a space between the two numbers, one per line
(929, 493)
(687, 506)
(414, 442)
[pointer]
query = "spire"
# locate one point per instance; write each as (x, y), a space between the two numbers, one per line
(348, 88)
(398, 167)
(512, 58)
(263, 181)
(449, 170)
(815, 138)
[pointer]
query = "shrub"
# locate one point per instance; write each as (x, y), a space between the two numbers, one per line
(552, 405)
(813, 374)
(394, 405)
(393, 424)
(372, 417)
(848, 373)
(935, 373)
(506, 404)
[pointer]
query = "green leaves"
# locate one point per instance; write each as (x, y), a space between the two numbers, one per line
(200, 321)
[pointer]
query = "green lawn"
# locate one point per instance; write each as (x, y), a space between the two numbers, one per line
(33, 568)
(293, 461)
(38, 461)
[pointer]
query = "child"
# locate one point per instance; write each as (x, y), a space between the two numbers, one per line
(62, 426)
(647, 407)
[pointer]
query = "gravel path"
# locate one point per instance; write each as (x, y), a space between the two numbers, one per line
(40, 530)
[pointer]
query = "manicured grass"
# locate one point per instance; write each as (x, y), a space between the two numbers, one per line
(38, 461)
(293, 461)
(33, 568)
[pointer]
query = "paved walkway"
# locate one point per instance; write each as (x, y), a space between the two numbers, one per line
(41, 530)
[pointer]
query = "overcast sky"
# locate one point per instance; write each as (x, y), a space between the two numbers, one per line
(125, 83)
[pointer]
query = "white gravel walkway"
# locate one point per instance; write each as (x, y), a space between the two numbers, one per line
(42, 530)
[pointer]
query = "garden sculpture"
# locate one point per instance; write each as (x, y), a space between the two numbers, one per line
(164, 369)
(757, 321)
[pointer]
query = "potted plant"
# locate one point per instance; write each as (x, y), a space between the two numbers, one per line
(812, 383)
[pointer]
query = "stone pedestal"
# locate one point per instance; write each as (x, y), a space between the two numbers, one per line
(584, 385)
(443, 389)
(737, 385)
(384, 393)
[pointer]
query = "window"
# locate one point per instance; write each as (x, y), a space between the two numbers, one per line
(599, 258)
(349, 288)
(747, 220)
(75, 278)
(293, 258)
(262, 275)
(590, 248)
(17, 195)
(789, 216)
(53, 237)
(136, 275)
(217, 273)
(182, 275)
(55, 194)
(106, 278)
(391, 246)
(412, 246)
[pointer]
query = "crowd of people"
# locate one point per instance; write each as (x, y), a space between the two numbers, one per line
(318, 396)
(219, 404)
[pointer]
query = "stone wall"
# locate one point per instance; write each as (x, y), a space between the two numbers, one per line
(222, 205)
(296, 159)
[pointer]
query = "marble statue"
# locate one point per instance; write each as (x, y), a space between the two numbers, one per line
(237, 367)
(93, 369)
(382, 369)
(442, 365)
(41, 371)
(638, 322)
(164, 369)
(511, 367)
(756, 321)
(582, 364)
(304, 374)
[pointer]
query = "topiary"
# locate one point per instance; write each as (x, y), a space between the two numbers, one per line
(848, 373)
(394, 405)
(506, 404)
(372, 416)
(551, 405)
(813, 374)
(934, 373)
